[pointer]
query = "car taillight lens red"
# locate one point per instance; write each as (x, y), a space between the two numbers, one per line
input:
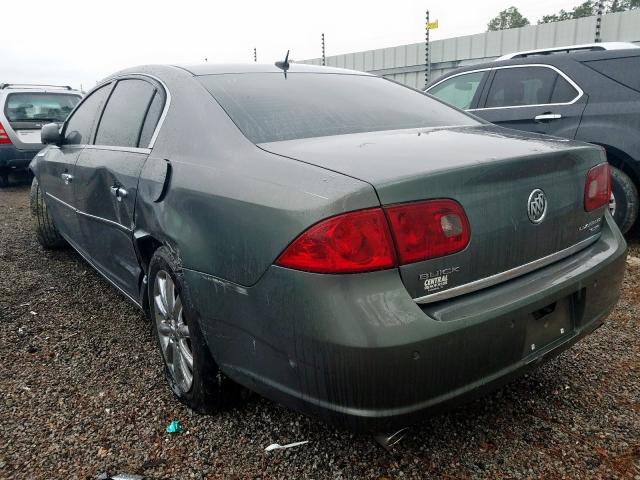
(4, 138)
(597, 189)
(362, 241)
(352, 242)
(430, 229)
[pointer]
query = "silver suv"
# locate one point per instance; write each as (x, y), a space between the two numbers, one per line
(24, 109)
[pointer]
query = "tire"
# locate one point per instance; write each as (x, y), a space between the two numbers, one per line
(209, 389)
(4, 180)
(46, 231)
(624, 206)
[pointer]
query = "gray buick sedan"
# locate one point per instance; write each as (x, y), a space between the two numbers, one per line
(344, 245)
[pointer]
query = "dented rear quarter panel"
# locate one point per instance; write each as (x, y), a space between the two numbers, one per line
(230, 208)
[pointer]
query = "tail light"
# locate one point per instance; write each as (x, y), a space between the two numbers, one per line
(4, 137)
(352, 242)
(428, 229)
(362, 241)
(597, 189)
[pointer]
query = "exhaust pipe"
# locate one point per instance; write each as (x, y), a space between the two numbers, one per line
(387, 440)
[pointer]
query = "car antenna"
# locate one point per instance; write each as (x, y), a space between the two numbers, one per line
(284, 65)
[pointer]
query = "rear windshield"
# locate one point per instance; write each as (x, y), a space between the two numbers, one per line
(267, 107)
(39, 107)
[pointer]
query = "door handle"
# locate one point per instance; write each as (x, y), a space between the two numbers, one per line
(547, 116)
(118, 192)
(66, 178)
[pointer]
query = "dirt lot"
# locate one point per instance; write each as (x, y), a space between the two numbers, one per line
(82, 393)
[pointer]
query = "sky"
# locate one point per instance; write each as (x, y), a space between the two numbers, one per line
(79, 42)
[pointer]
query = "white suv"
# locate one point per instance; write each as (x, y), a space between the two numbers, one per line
(24, 109)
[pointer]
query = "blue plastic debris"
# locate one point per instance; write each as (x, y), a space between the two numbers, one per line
(174, 427)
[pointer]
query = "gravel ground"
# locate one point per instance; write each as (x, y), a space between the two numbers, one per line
(82, 393)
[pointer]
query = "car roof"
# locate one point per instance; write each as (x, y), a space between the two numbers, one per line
(556, 59)
(219, 69)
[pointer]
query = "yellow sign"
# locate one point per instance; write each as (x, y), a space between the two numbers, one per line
(432, 25)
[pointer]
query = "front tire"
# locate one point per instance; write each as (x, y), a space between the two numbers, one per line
(46, 231)
(624, 200)
(190, 370)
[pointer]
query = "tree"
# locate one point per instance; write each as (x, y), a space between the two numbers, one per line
(625, 5)
(586, 9)
(589, 8)
(509, 18)
(617, 6)
(556, 17)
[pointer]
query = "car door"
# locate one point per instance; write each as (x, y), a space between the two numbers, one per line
(535, 98)
(56, 170)
(462, 90)
(106, 180)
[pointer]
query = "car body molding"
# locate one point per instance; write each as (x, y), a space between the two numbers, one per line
(508, 274)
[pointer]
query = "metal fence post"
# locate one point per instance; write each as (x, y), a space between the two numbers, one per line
(323, 57)
(599, 20)
(427, 62)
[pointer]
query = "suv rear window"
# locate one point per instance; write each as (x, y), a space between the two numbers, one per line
(267, 107)
(624, 70)
(39, 107)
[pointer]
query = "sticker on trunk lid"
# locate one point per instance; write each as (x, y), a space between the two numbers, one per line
(434, 281)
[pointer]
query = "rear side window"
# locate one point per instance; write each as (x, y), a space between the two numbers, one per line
(522, 86)
(151, 120)
(269, 107)
(81, 123)
(563, 91)
(625, 70)
(459, 91)
(39, 107)
(121, 122)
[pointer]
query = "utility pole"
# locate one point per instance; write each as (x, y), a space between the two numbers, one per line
(255, 54)
(427, 61)
(599, 20)
(324, 62)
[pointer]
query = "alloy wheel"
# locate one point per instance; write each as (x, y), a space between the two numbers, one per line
(173, 331)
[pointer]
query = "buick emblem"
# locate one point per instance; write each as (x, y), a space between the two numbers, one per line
(537, 206)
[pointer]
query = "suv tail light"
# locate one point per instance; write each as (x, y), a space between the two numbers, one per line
(4, 137)
(597, 189)
(428, 229)
(361, 241)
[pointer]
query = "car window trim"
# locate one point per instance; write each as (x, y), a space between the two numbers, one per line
(494, 69)
(114, 81)
(119, 149)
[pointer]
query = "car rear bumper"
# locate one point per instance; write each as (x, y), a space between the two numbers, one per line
(357, 351)
(12, 158)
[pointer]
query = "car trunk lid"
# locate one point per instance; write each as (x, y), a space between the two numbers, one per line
(492, 172)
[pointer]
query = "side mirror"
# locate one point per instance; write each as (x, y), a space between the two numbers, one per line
(50, 134)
